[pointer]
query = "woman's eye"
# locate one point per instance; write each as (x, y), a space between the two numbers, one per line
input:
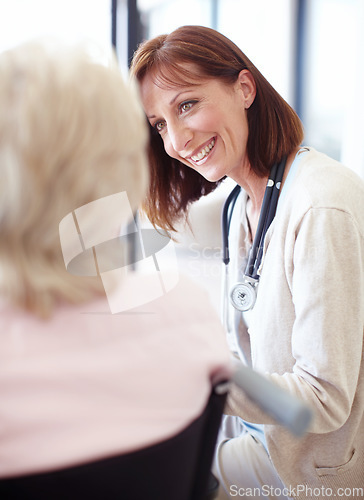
(185, 106)
(159, 126)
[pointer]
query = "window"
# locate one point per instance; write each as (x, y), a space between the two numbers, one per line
(70, 20)
(331, 70)
(163, 16)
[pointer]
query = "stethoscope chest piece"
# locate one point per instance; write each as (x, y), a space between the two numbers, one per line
(243, 296)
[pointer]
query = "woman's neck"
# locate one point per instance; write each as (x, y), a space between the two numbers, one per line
(255, 188)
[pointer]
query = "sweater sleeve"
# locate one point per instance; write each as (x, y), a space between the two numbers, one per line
(327, 338)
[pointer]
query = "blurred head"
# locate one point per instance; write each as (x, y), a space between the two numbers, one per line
(191, 55)
(71, 132)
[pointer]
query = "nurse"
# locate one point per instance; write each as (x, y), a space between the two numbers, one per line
(213, 115)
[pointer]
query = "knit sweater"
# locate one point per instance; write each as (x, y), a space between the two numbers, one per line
(306, 329)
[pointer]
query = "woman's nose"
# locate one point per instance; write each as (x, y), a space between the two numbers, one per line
(179, 136)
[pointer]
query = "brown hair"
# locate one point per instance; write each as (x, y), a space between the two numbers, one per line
(275, 130)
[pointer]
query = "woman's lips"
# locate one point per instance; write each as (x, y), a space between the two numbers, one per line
(204, 152)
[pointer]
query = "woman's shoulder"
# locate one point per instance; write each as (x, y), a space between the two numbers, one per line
(322, 182)
(180, 319)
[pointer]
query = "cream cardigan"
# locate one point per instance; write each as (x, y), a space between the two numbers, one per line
(306, 330)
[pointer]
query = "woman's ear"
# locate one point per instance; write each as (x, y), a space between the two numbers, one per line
(246, 85)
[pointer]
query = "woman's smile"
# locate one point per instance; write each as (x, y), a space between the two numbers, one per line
(201, 156)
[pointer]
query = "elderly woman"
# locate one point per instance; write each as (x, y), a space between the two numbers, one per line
(213, 115)
(79, 385)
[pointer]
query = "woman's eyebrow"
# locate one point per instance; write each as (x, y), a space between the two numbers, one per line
(172, 100)
(179, 93)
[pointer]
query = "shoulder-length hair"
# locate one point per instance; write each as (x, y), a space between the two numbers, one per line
(274, 127)
(71, 132)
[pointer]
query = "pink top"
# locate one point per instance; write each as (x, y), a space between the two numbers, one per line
(90, 384)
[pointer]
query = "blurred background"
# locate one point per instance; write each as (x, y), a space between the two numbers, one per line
(311, 51)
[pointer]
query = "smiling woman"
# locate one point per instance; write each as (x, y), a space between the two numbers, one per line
(202, 124)
(299, 236)
(190, 80)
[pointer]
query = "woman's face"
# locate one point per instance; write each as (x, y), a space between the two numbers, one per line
(203, 125)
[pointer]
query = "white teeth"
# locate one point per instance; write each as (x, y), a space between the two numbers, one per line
(205, 151)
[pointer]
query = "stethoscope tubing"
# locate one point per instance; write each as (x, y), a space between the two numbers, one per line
(272, 191)
(227, 213)
(267, 214)
(251, 267)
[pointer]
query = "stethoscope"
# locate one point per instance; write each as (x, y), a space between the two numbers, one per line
(243, 294)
